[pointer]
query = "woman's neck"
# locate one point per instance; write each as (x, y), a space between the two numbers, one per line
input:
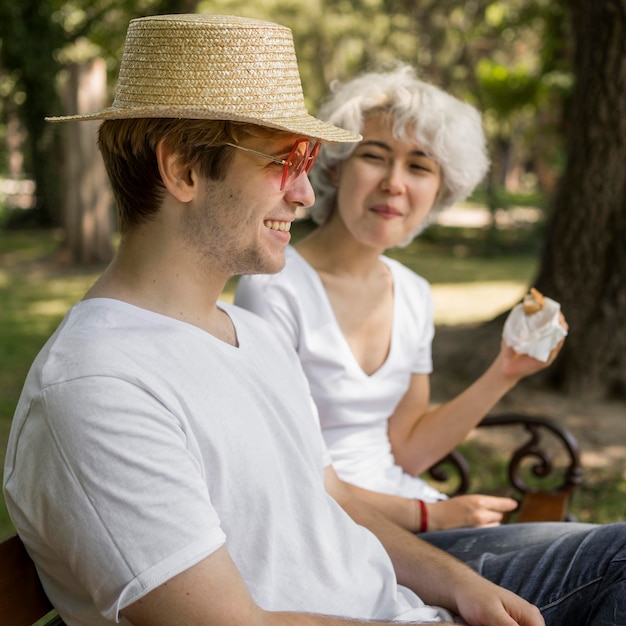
(331, 249)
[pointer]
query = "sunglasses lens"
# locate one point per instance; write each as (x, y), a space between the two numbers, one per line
(299, 160)
(310, 162)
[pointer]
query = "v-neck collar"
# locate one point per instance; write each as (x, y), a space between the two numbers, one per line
(342, 342)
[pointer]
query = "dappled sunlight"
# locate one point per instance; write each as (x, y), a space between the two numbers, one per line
(461, 264)
(48, 307)
(71, 288)
(607, 457)
(228, 295)
(475, 302)
(472, 216)
(458, 303)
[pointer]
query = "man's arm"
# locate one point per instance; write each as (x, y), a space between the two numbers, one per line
(213, 593)
(438, 578)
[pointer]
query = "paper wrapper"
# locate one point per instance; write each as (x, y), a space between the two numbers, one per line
(535, 334)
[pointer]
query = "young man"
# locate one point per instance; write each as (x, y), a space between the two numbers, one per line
(165, 465)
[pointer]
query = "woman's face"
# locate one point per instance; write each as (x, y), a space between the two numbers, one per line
(386, 187)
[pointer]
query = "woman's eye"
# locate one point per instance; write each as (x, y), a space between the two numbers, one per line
(423, 167)
(371, 156)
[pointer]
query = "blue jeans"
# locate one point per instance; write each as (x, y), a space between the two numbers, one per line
(575, 573)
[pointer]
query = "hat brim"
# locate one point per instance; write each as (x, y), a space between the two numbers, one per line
(305, 125)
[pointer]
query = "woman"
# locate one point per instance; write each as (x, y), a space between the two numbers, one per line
(363, 323)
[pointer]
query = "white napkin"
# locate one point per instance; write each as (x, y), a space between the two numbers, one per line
(535, 334)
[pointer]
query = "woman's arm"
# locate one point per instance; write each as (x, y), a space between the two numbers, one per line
(420, 436)
(472, 510)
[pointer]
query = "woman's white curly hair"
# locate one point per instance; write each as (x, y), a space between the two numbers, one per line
(448, 130)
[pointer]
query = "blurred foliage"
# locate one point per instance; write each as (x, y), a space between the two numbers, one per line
(38, 38)
(509, 58)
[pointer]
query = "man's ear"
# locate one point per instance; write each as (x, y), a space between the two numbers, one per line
(177, 176)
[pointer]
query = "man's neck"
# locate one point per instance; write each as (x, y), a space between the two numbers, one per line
(171, 284)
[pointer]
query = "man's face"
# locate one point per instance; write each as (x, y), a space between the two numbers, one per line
(241, 224)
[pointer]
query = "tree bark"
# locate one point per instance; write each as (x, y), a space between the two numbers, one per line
(88, 218)
(583, 264)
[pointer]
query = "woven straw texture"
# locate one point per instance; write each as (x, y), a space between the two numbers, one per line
(213, 67)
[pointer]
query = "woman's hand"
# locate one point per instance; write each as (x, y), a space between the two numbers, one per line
(518, 366)
(474, 510)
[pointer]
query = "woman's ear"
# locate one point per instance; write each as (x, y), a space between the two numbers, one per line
(177, 176)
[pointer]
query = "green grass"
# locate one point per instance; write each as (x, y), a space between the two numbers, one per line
(35, 293)
(469, 285)
(34, 298)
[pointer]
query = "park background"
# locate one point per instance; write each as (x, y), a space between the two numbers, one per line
(549, 77)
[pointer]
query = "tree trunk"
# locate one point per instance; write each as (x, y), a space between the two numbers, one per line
(88, 218)
(583, 265)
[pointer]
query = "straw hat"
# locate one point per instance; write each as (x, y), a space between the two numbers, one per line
(214, 67)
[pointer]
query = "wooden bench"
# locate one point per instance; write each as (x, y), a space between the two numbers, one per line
(537, 503)
(22, 598)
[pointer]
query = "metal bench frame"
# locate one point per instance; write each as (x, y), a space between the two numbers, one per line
(536, 504)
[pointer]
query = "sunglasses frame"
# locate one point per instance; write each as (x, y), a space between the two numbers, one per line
(289, 170)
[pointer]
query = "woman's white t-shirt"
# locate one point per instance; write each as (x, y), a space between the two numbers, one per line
(354, 407)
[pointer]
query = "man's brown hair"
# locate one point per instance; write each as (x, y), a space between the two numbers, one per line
(128, 147)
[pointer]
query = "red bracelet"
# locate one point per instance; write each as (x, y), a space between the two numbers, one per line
(424, 518)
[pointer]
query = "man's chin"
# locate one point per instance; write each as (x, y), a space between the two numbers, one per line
(267, 266)
(270, 269)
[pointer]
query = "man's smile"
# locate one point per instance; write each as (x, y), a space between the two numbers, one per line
(278, 225)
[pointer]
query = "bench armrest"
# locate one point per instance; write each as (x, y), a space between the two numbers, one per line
(549, 503)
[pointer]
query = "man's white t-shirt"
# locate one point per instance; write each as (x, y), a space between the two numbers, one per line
(142, 444)
(354, 408)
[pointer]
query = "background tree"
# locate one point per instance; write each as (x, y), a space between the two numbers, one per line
(30, 38)
(514, 59)
(43, 45)
(584, 259)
